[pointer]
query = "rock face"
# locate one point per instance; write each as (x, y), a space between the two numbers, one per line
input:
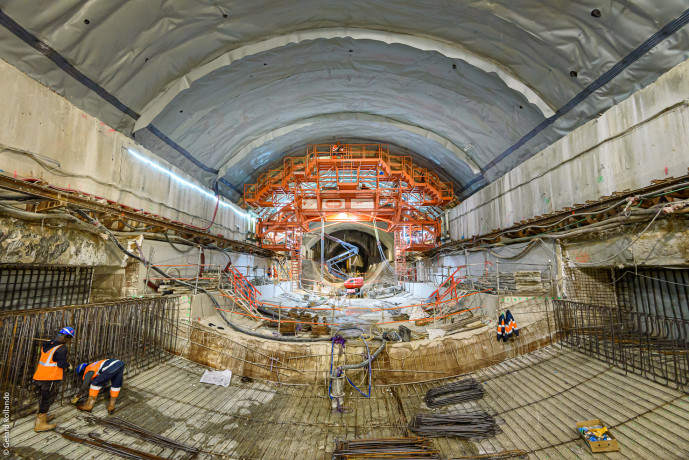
(27, 242)
(665, 243)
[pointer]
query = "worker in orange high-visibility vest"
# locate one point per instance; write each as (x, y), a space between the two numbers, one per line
(51, 366)
(94, 376)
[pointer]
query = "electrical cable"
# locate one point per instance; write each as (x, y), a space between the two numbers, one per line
(614, 255)
(134, 228)
(175, 247)
(598, 226)
(189, 285)
(368, 353)
(58, 169)
(369, 359)
(664, 191)
(215, 213)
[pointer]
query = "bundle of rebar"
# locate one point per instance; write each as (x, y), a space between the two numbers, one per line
(391, 448)
(147, 435)
(454, 393)
(469, 425)
(117, 449)
(516, 454)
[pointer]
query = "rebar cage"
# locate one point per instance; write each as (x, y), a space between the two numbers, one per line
(139, 332)
(652, 345)
(25, 286)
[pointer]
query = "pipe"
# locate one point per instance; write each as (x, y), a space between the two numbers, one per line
(370, 358)
(205, 291)
(35, 216)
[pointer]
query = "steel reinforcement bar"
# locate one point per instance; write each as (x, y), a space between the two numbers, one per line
(654, 346)
(139, 332)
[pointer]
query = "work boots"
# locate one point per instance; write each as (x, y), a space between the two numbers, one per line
(42, 424)
(111, 405)
(88, 405)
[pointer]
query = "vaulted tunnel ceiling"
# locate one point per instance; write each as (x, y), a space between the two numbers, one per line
(226, 89)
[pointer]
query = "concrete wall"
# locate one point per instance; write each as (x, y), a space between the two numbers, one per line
(211, 342)
(665, 243)
(644, 137)
(45, 136)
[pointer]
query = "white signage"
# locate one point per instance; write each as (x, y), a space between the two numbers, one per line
(361, 203)
(333, 205)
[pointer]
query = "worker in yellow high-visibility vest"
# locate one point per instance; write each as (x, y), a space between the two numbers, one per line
(51, 366)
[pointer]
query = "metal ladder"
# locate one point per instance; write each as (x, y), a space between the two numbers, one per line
(295, 263)
(400, 256)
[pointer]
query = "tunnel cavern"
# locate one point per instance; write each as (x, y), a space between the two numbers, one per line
(339, 230)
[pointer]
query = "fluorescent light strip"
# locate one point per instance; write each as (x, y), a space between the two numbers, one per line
(187, 183)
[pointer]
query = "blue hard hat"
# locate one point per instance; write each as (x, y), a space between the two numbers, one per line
(68, 331)
(80, 368)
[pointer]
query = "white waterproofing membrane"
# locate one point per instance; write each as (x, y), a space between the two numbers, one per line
(237, 86)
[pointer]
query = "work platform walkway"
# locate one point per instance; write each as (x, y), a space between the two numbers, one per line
(540, 396)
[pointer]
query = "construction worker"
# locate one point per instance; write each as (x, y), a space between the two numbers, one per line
(51, 366)
(94, 376)
(337, 149)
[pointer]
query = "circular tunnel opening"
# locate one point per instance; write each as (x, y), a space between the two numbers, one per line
(363, 262)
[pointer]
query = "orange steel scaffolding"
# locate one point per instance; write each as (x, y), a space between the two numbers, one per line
(348, 182)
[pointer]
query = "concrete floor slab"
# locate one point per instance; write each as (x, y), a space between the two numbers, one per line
(539, 396)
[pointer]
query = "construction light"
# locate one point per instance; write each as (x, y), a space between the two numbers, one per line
(176, 178)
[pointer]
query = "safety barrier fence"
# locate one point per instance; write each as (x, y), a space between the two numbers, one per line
(654, 346)
(502, 276)
(135, 331)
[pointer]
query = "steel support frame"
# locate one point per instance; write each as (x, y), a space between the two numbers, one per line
(363, 180)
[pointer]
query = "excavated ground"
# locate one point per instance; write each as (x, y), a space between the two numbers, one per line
(540, 396)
